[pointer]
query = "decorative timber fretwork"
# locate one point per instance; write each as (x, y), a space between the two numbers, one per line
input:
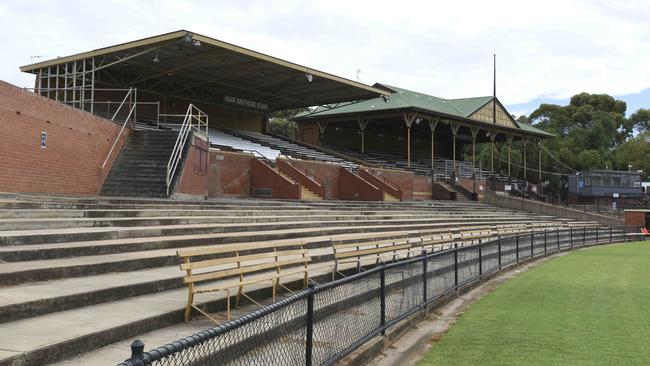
(485, 114)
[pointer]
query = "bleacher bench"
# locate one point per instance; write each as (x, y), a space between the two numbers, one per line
(231, 266)
(373, 252)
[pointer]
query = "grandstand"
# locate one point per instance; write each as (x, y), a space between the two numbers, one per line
(90, 241)
(68, 260)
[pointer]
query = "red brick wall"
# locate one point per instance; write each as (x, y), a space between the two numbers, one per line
(636, 218)
(421, 187)
(77, 143)
(402, 179)
(353, 187)
(229, 174)
(263, 176)
(469, 185)
(327, 173)
(194, 179)
(298, 174)
(309, 132)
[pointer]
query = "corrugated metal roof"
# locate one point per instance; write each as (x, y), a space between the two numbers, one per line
(404, 98)
(529, 128)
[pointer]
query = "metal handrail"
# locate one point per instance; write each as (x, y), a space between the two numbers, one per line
(201, 126)
(302, 169)
(117, 139)
(264, 158)
(383, 178)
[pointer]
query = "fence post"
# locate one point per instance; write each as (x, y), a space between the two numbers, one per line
(610, 235)
(382, 302)
(532, 244)
(499, 250)
(456, 268)
(584, 236)
(137, 349)
(309, 342)
(424, 276)
(557, 236)
(480, 261)
(597, 230)
(517, 248)
(545, 248)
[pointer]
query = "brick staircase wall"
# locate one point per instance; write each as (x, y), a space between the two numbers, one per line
(354, 187)
(263, 177)
(301, 178)
(77, 143)
(193, 180)
(229, 174)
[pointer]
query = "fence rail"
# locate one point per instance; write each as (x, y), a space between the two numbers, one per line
(323, 323)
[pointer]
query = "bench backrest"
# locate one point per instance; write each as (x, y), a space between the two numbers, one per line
(370, 249)
(237, 260)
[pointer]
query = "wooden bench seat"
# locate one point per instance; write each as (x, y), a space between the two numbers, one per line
(237, 266)
(368, 251)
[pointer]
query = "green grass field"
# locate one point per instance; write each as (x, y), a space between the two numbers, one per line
(590, 307)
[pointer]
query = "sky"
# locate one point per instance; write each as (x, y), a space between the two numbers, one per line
(547, 51)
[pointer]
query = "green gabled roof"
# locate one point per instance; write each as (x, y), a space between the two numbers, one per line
(467, 106)
(404, 98)
(528, 128)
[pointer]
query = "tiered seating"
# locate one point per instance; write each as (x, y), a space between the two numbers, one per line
(65, 261)
(222, 139)
(420, 165)
(293, 150)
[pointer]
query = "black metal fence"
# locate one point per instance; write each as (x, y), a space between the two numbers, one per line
(325, 322)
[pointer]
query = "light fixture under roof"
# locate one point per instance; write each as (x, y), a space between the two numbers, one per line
(156, 59)
(309, 77)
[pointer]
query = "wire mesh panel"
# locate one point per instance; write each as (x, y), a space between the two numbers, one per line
(468, 267)
(490, 256)
(404, 289)
(328, 321)
(618, 234)
(591, 235)
(538, 244)
(440, 274)
(343, 315)
(509, 250)
(275, 339)
(552, 241)
(525, 243)
(565, 238)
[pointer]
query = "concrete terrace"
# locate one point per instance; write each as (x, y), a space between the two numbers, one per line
(99, 272)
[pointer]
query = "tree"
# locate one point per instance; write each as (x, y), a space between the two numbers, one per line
(640, 120)
(635, 152)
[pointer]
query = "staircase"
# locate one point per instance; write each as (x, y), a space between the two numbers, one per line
(459, 195)
(390, 198)
(305, 193)
(141, 168)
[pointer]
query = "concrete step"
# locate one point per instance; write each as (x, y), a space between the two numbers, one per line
(24, 271)
(13, 224)
(27, 237)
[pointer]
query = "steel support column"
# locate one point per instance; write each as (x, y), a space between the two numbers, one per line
(475, 132)
(454, 132)
(363, 123)
(433, 123)
(409, 117)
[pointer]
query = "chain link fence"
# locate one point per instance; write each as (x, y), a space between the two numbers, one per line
(324, 323)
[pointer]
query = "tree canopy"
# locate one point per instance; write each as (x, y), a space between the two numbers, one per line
(593, 132)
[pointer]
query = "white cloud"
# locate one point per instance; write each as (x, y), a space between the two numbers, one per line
(550, 49)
